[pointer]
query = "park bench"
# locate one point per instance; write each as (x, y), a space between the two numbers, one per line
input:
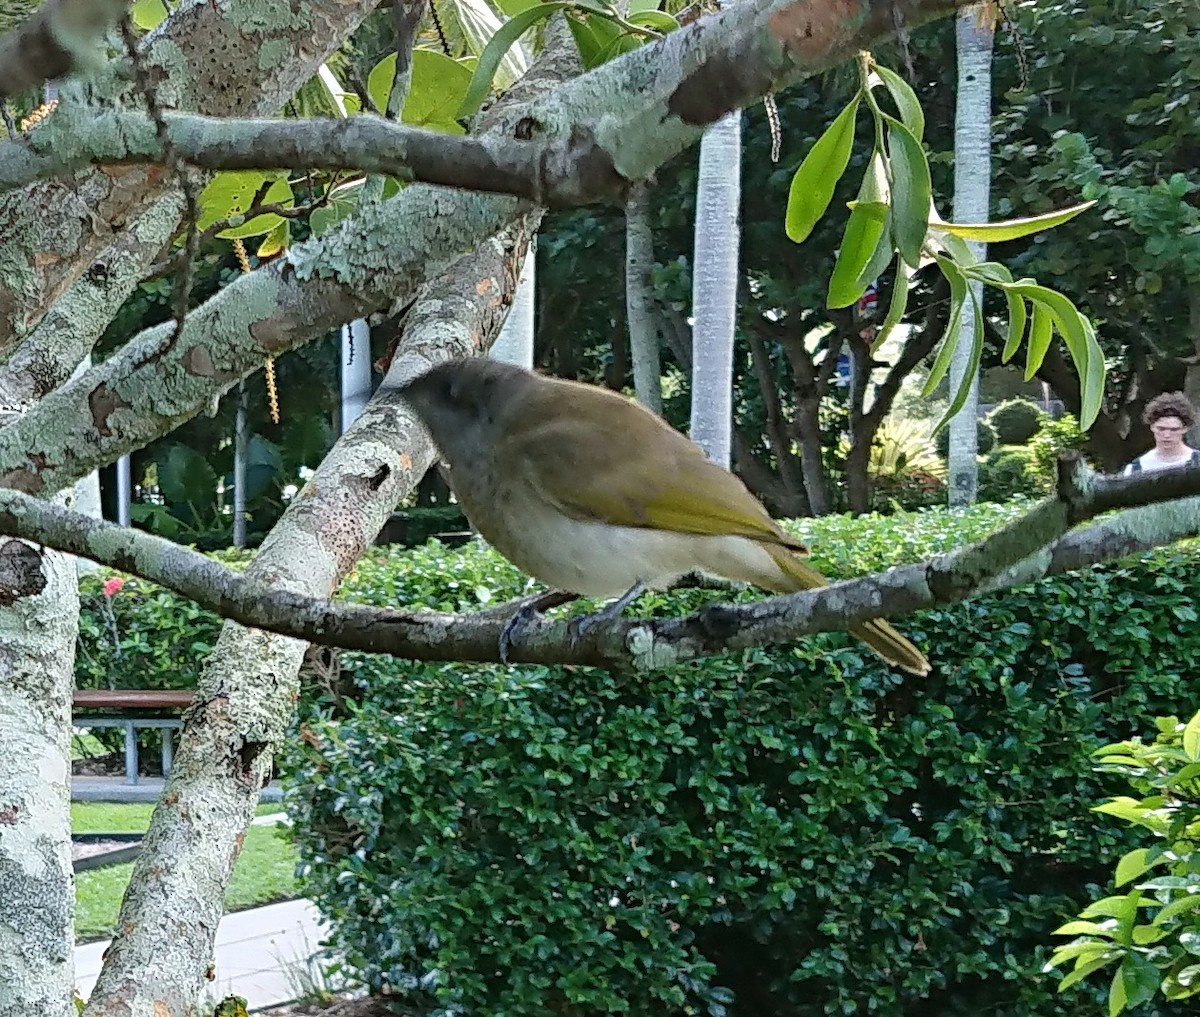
(132, 709)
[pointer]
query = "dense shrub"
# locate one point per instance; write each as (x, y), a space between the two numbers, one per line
(1015, 421)
(1054, 439)
(796, 831)
(985, 436)
(1009, 472)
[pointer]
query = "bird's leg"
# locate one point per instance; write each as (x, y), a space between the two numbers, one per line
(576, 627)
(529, 607)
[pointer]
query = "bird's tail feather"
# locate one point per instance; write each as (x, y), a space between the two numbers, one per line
(876, 633)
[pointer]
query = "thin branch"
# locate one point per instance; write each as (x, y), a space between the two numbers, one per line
(1030, 547)
(61, 37)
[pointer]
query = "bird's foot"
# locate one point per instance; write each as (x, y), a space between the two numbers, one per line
(525, 614)
(576, 627)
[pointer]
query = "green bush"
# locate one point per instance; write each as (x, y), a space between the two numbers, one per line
(1015, 421)
(1151, 927)
(796, 831)
(985, 436)
(1055, 438)
(142, 636)
(1009, 472)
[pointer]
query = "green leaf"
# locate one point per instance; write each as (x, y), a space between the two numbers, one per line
(905, 99)
(276, 241)
(658, 20)
(1081, 951)
(1041, 330)
(186, 477)
(1191, 738)
(1123, 807)
(279, 193)
(1017, 317)
(1132, 865)
(229, 193)
(590, 48)
(493, 53)
(342, 201)
(941, 364)
(897, 305)
(148, 14)
(1177, 908)
(1141, 979)
(814, 182)
(859, 242)
(1012, 229)
(1084, 968)
(911, 191)
(1117, 997)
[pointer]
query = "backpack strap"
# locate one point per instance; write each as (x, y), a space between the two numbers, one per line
(1136, 465)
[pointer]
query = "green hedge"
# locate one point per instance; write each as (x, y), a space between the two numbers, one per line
(792, 832)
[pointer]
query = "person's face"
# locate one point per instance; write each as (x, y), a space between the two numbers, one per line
(1168, 434)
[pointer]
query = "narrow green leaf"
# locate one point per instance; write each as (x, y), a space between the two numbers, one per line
(1083, 949)
(812, 186)
(1016, 325)
(964, 388)
(1012, 229)
(958, 297)
(897, 305)
(493, 53)
(905, 99)
(1177, 908)
(859, 242)
(1085, 968)
(1117, 997)
(911, 191)
(1041, 330)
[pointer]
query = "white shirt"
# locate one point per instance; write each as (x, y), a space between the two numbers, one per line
(1153, 460)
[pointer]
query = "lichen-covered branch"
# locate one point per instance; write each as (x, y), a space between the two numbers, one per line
(60, 37)
(220, 58)
(566, 171)
(1163, 508)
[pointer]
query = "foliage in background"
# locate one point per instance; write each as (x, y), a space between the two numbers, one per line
(1150, 928)
(1016, 421)
(984, 432)
(791, 831)
(1009, 472)
(1056, 438)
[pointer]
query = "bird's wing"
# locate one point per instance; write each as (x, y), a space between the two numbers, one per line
(627, 467)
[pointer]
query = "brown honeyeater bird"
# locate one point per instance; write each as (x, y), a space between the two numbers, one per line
(592, 494)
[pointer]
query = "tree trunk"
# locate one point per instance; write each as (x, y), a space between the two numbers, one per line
(514, 344)
(639, 299)
(37, 631)
(714, 287)
(972, 173)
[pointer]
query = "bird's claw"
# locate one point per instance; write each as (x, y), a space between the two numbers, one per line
(515, 626)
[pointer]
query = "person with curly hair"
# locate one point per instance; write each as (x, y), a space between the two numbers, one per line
(1168, 416)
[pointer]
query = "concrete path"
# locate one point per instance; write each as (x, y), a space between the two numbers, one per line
(261, 954)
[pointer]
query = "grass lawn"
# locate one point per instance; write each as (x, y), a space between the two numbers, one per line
(264, 871)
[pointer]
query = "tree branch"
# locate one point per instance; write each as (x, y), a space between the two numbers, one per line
(568, 171)
(1025, 549)
(62, 36)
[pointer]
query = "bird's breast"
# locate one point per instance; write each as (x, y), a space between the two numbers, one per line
(598, 559)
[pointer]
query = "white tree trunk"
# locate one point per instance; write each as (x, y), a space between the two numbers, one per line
(37, 633)
(714, 287)
(514, 344)
(972, 177)
(639, 298)
(356, 370)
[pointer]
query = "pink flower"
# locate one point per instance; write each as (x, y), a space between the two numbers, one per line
(113, 586)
